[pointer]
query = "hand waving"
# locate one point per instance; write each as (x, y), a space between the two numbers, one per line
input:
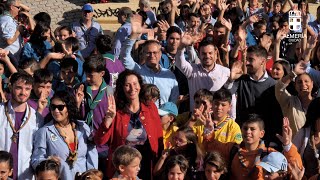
(286, 132)
(79, 95)
(236, 70)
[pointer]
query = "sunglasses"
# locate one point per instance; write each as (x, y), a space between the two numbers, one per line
(54, 107)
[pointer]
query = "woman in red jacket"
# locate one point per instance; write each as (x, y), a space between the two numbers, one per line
(133, 121)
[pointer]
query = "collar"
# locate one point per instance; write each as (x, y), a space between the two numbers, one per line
(151, 70)
(11, 110)
(263, 78)
(109, 56)
(215, 65)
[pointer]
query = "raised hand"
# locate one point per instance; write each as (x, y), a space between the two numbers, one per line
(163, 25)
(281, 34)
(300, 67)
(254, 18)
(296, 172)
(111, 112)
(226, 23)
(4, 55)
(236, 70)
(286, 132)
(223, 5)
(186, 40)
(42, 102)
(151, 34)
(80, 95)
(136, 24)
(311, 43)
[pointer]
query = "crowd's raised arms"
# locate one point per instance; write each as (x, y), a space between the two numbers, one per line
(199, 90)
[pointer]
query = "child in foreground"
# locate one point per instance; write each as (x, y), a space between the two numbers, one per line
(48, 169)
(216, 119)
(176, 168)
(244, 159)
(126, 160)
(6, 165)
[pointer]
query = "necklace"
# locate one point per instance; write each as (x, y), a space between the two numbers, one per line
(15, 135)
(243, 161)
(72, 154)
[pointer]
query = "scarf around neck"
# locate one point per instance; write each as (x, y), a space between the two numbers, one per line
(94, 101)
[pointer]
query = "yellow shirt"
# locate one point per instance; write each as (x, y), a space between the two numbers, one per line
(229, 132)
(168, 135)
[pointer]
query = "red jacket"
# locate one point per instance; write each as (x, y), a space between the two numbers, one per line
(116, 134)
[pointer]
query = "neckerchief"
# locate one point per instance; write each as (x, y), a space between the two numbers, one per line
(222, 123)
(34, 97)
(92, 103)
(109, 57)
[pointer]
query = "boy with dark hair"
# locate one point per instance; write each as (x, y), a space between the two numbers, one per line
(68, 75)
(92, 98)
(113, 64)
(244, 158)
(41, 92)
(216, 119)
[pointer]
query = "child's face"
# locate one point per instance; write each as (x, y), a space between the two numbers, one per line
(68, 75)
(277, 8)
(44, 88)
(202, 101)
(5, 170)
(272, 176)
(277, 71)
(180, 139)
(132, 169)
(251, 133)
(212, 172)
(64, 34)
(166, 119)
(47, 175)
(94, 78)
(221, 109)
(175, 173)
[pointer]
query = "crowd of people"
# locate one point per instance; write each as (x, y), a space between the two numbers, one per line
(223, 89)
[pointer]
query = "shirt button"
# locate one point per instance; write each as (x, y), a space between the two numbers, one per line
(149, 136)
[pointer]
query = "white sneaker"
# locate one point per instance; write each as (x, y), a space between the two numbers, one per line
(317, 1)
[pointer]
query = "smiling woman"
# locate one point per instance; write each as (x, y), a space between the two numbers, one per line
(133, 121)
(65, 137)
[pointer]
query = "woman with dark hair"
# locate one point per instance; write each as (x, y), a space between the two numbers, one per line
(66, 137)
(38, 47)
(133, 121)
(307, 140)
(295, 107)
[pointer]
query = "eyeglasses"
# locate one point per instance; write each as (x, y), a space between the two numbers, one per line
(54, 107)
(150, 53)
(18, 7)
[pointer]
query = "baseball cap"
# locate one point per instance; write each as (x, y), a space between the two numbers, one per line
(274, 162)
(168, 108)
(87, 7)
